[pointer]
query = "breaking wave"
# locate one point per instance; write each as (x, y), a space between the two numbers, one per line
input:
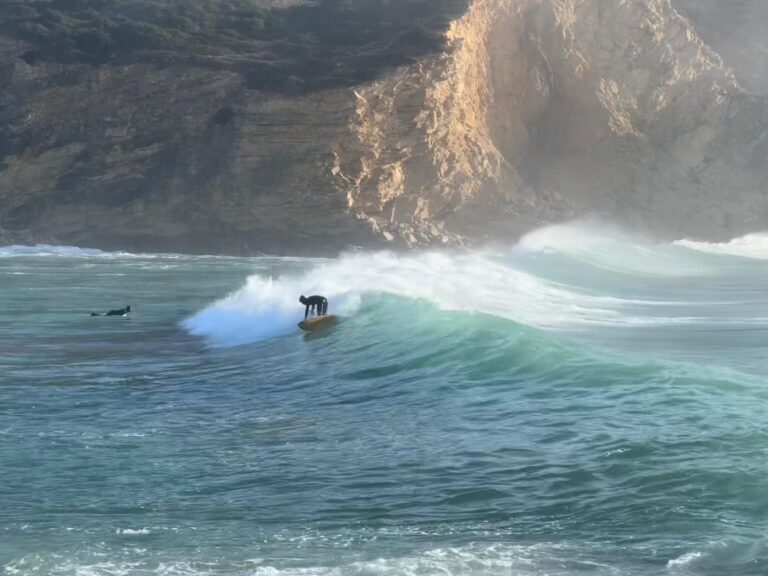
(561, 277)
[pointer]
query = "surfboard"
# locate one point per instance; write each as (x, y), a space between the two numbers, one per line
(316, 322)
(110, 315)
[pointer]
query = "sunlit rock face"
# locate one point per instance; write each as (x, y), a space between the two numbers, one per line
(548, 110)
(535, 111)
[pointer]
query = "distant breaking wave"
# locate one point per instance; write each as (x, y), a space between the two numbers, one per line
(49, 250)
(750, 246)
(77, 252)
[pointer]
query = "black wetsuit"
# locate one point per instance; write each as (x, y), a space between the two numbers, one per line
(318, 304)
(120, 312)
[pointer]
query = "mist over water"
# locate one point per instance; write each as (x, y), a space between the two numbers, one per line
(584, 402)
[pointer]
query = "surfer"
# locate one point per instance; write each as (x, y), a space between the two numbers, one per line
(120, 312)
(318, 304)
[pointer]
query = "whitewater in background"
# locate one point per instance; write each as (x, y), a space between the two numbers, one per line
(584, 402)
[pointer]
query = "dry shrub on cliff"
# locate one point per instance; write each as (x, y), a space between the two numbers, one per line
(102, 31)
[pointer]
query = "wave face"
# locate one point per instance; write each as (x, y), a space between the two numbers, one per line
(585, 402)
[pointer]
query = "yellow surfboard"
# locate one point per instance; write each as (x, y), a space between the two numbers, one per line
(317, 322)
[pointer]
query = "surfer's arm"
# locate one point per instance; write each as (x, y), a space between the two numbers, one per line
(306, 312)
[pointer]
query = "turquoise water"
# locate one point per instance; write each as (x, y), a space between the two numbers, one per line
(576, 404)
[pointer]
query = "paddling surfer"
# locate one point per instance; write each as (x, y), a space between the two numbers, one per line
(318, 304)
(120, 312)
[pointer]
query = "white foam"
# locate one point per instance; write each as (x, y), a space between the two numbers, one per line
(133, 531)
(477, 560)
(753, 246)
(486, 561)
(684, 560)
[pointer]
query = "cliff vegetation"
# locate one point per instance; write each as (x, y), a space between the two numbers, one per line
(323, 43)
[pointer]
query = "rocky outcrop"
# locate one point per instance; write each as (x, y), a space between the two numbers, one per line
(538, 111)
(437, 145)
(547, 110)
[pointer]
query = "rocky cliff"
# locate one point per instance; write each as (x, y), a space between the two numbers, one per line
(533, 111)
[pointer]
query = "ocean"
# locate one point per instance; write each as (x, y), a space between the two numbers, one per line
(583, 402)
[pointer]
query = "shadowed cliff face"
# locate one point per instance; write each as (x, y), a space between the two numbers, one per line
(173, 158)
(536, 111)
